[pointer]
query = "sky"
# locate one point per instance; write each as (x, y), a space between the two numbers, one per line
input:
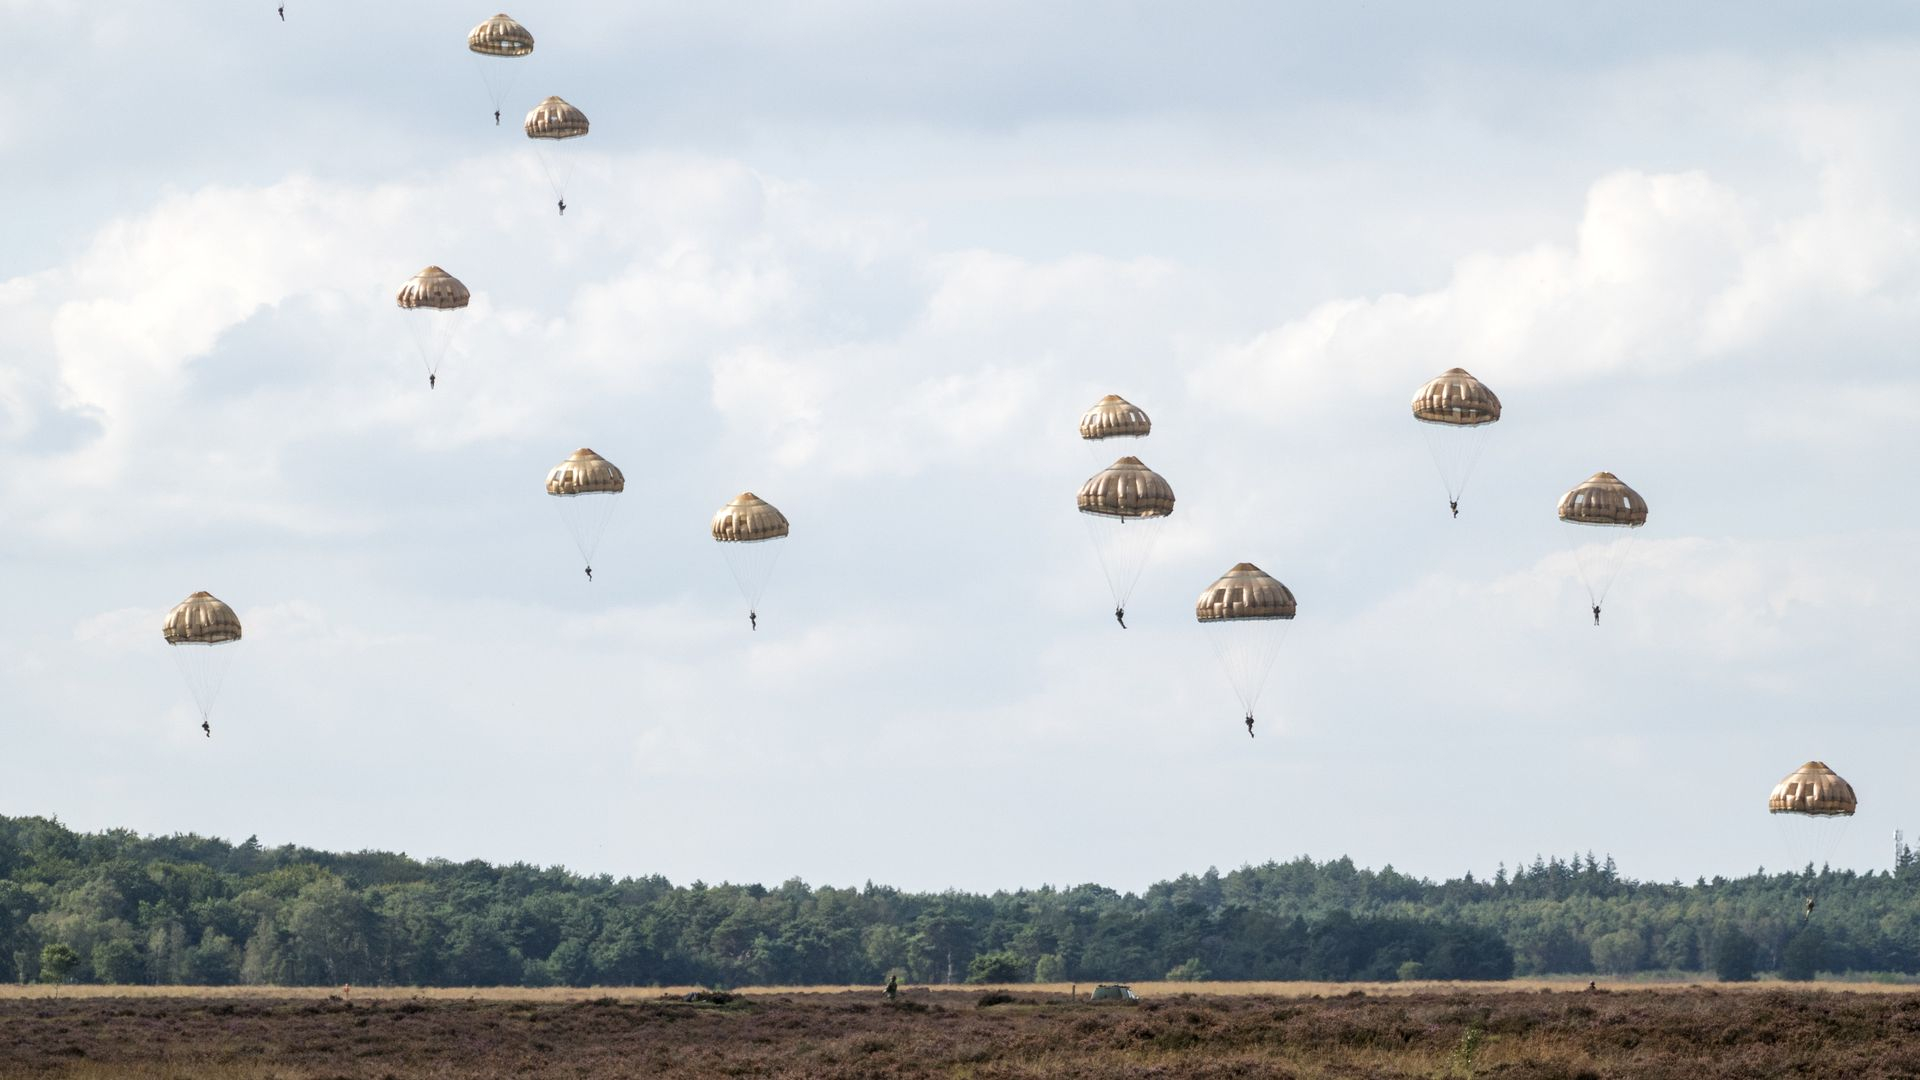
(871, 260)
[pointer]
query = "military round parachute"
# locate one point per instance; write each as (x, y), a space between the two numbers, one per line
(1126, 489)
(587, 486)
(500, 36)
(438, 294)
(746, 529)
(1245, 615)
(1602, 501)
(1815, 790)
(497, 45)
(1815, 805)
(1457, 411)
(550, 125)
(555, 119)
(1114, 417)
(195, 628)
(433, 288)
(1124, 505)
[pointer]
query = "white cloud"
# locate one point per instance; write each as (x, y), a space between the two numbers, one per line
(1665, 272)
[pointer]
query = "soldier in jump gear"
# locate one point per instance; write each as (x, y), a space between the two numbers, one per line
(1249, 725)
(431, 380)
(496, 118)
(1596, 614)
(1454, 505)
(563, 208)
(753, 619)
(206, 727)
(589, 573)
(1120, 616)
(1809, 912)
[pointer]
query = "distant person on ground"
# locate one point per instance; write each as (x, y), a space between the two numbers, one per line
(893, 987)
(1249, 725)
(1120, 616)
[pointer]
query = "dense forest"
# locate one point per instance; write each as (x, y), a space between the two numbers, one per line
(116, 907)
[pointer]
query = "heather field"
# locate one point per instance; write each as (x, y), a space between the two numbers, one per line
(1542, 1031)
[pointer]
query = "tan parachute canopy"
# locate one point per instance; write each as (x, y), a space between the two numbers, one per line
(500, 36)
(585, 473)
(1603, 500)
(1245, 592)
(1457, 398)
(1812, 789)
(1126, 489)
(1114, 417)
(555, 119)
(748, 519)
(201, 619)
(433, 288)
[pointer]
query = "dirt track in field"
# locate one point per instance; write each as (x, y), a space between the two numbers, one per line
(1683, 1034)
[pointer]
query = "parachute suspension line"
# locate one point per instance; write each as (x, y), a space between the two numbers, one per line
(1123, 545)
(751, 563)
(432, 335)
(547, 166)
(498, 85)
(1456, 452)
(1599, 564)
(586, 517)
(204, 667)
(1248, 649)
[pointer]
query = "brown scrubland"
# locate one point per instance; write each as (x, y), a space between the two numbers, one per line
(1513, 1031)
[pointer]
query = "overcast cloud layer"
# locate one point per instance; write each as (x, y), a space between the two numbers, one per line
(871, 261)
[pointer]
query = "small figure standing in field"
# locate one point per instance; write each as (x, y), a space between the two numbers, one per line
(893, 987)
(346, 991)
(1591, 987)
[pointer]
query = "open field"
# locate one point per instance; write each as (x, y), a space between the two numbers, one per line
(1696, 1033)
(563, 994)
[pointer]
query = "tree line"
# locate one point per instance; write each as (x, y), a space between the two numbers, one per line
(116, 907)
